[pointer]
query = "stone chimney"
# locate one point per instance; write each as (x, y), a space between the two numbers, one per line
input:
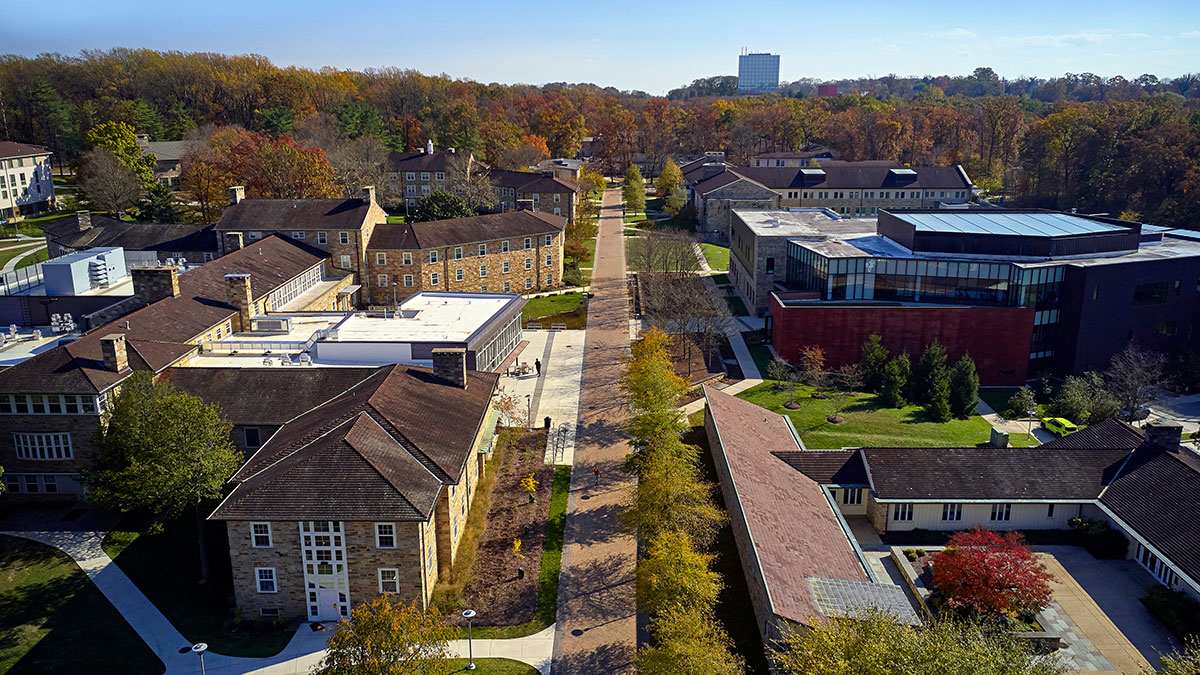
(1164, 434)
(233, 241)
(152, 284)
(429, 147)
(711, 169)
(238, 291)
(116, 359)
(368, 194)
(236, 194)
(450, 366)
(84, 220)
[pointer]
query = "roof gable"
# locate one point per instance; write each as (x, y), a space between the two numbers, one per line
(295, 214)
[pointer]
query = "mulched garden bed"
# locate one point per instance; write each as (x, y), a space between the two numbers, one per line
(494, 590)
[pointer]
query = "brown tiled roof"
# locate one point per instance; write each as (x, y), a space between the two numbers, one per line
(157, 332)
(461, 231)
(294, 214)
(1106, 435)
(828, 467)
(796, 533)
(14, 149)
(720, 180)
(436, 422)
(1158, 494)
(991, 473)
(419, 161)
(856, 177)
(381, 450)
(265, 396)
(529, 182)
(107, 231)
(357, 471)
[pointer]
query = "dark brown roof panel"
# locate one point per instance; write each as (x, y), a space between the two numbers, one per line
(462, 231)
(299, 214)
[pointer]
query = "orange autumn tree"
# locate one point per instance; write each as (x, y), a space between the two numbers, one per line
(983, 573)
(274, 168)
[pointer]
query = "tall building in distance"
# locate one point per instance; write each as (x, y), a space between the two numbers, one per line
(758, 74)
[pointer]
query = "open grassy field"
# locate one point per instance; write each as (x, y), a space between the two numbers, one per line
(867, 422)
(717, 256)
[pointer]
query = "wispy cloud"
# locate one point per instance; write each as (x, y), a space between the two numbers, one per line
(1054, 40)
(952, 35)
(1189, 34)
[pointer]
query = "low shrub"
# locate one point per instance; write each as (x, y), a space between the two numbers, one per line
(1176, 610)
(914, 553)
(1100, 539)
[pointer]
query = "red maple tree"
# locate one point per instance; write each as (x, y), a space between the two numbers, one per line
(990, 574)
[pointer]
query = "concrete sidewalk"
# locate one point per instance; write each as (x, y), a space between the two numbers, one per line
(597, 614)
(735, 388)
(554, 393)
(1013, 427)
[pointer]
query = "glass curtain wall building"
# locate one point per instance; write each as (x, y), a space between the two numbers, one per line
(758, 74)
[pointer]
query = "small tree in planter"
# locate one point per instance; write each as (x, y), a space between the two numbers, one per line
(812, 368)
(848, 378)
(984, 574)
(780, 373)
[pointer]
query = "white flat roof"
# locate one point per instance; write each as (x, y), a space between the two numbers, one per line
(427, 317)
(803, 223)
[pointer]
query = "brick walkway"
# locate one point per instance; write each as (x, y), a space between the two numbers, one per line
(597, 618)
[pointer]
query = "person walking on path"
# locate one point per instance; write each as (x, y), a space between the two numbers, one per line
(596, 473)
(537, 365)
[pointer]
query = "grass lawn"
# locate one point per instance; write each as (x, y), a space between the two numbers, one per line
(197, 611)
(551, 304)
(655, 203)
(395, 219)
(721, 279)
(54, 620)
(547, 593)
(39, 257)
(737, 306)
(493, 667)
(758, 351)
(634, 216)
(11, 252)
(867, 423)
(997, 398)
(717, 256)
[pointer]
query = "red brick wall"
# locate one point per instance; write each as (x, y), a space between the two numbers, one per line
(996, 337)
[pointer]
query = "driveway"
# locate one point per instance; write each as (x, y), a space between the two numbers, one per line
(1102, 598)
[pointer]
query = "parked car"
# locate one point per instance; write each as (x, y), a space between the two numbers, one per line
(1058, 426)
(1137, 416)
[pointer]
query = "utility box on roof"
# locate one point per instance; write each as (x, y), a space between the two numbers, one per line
(84, 271)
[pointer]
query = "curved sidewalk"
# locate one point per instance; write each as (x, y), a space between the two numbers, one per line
(302, 653)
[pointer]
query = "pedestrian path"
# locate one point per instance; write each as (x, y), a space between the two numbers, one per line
(303, 652)
(704, 266)
(735, 388)
(12, 264)
(1012, 427)
(597, 616)
(554, 392)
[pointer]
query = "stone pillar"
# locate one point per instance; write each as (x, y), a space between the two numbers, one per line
(236, 194)
(232, 242)
(152, 284)
(116, 359)
(368, 194)
(238, 286)
(450, 366)
(1164, 434)
(84, 220)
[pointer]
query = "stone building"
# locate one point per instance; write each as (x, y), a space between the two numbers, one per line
(407, 445)
(542, 191)
(413, 175)
(339, 227)
(51, 404)
(511, 252)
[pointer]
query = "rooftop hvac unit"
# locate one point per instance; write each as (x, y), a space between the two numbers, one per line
(98, 273)
(274, 324)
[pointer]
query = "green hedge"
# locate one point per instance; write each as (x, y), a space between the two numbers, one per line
(1176, 610)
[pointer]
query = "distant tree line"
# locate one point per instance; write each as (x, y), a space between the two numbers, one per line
(1081, 141)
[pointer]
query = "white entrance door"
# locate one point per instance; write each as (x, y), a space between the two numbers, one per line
(327, 604)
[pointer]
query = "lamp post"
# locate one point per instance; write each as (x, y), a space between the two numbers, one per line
(529, 404)
(395, 303)
(1032, 414)
(200, 648)
(469, 614)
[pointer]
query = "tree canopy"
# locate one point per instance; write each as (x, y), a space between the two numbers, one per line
(440, 205)
(388, 637)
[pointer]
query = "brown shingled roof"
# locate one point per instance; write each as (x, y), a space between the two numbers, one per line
(251, 396)
(157, 333)
(462, 231)
(796, 533)
(294, 214)
(107, 231)
(828, 467)
(14, 149)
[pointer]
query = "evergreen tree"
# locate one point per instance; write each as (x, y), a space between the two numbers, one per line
(633, 192)
(895, 381)
(874, 360)
(964, 387)
(930, 369)
(938, 404)
(440, 205)
(1020, 404)
(157, 205)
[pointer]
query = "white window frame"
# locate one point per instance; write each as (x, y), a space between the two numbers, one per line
(46, 446)
(528, 283)
(482, 271)
(951, 512)
(852, 496)
(557, 197)
(458, 274)
(425, 176)
(322, 237)
(259, 579)
(902, 512)
(433, 257)
(549, 240)
(380, 258)
(408, 281)
(440, 175)
(381, 280)
(433, 279)
(528, 264)
(483, 249)
(379, 535)
(549, 260)
(406, 258)
(528, 243)
(410, 175)
(508, 287)
(504, 246)
(1001, 513)
(458, 253)
(395, 580)
(505, 267)
(343, 237)
(255, 535)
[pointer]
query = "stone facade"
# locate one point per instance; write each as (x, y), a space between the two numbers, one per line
(419, 268)
(756, 262)
(867, 203)
(716, 207)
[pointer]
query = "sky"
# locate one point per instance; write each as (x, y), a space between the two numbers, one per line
(650, 46)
